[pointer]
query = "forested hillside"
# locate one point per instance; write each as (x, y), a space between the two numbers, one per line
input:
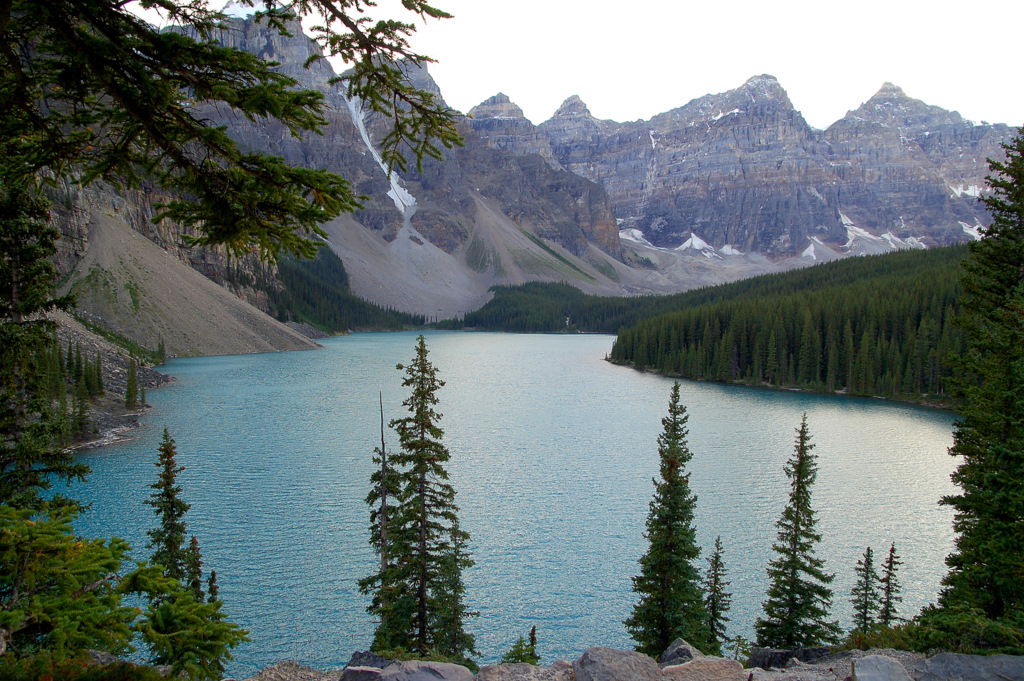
(880, 325)
(316, 291)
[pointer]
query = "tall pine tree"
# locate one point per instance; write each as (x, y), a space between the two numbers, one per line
(987, 563)
(891, 588)
(865, 595)
(796, 609)
(419, 583)
(167, 539)
(670, 602)
(716, 599)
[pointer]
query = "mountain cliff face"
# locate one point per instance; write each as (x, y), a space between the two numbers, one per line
(742, 172)
(729, 185)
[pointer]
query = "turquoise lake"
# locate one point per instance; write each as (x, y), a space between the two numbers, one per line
(553, 453)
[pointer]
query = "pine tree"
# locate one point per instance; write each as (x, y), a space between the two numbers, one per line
(798, 601)
(890, 589)
(382, 586)
(716, 599)
(212, 590)
(451, 639)
(987, 562)
(30, 455)
(194, 569)
(670, 602)
(425, 546)
(523, 651)
(167, 539)
(865, 596)
(131, 390)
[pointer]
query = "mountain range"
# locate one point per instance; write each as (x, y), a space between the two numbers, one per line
(726, 186)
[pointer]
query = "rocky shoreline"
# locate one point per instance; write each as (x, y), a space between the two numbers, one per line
(681, 662)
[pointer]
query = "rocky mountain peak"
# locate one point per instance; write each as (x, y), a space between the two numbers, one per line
(498, 106)
(892, 107)
(764, 87)
(573, 106)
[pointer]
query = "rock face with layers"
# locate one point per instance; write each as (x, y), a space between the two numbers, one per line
(742, 171)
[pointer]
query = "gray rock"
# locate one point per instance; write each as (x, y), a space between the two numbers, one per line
(558, 671)
(290, 670)
(365, 658)
(706, 669)
(678, 652)
(361, 673)
(608, 664)
(420, 670)
(777, 658)
(878, 668)
(955, 667)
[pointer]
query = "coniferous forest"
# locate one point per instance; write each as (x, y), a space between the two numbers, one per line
(881, 325)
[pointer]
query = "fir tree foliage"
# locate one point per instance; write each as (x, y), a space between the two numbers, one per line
(717, 599)
(670, 601)
(865, 595)
(890, 588)
(167, 539)
(194, 569)
(417, 591)
(61, 595)
(796, 610)
(131, 390)
(523, 651)
(987, 563)
(30, 453)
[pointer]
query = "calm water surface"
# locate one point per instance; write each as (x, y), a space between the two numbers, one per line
(553, 452)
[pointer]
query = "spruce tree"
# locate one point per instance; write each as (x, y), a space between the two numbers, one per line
(865, 595)
(30, 454)
(670, 602)
(131, 389)
(987, 562)
(383, 586)
(425, 546)
(798, 601)
(523, 651)
(167, 539)
(716, 599)
(212, 590)
(890, 589)
(194, 569)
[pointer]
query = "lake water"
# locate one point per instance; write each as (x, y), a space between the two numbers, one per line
(553, 452)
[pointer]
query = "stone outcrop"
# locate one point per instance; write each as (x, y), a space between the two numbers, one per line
(768, 658)
(706, 669)
(608, 664)
(417, 670)
(560, 670)
(678, 652)
(956, 667)
(879, 668)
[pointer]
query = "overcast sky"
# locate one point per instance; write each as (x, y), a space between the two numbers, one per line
(633, 59)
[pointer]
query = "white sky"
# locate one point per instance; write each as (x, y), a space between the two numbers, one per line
(633, 59)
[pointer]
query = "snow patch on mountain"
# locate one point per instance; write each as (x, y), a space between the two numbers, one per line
(636, 236)
(960, 190)
(403, 200)
(729, 249)
(695, 243)
(973, 231)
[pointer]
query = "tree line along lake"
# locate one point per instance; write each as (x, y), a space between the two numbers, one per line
(553, 454)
